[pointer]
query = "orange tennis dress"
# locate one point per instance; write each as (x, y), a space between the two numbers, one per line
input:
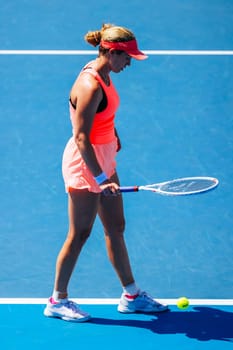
(102, 137)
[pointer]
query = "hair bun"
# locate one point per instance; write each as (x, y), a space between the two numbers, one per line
(93, 37)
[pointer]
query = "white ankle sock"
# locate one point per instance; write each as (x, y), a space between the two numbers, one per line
(131, 289)
(56, 298)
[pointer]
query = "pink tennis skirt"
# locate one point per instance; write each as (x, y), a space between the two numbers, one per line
(75, 172)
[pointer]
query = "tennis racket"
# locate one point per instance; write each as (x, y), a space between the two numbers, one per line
(178, 187)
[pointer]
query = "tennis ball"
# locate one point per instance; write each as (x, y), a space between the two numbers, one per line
(182, 303)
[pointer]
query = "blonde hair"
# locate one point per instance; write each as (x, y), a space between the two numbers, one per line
(109, 32)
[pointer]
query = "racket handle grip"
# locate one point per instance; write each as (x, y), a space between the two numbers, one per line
(129, 189)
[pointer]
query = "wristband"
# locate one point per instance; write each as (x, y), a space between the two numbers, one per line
(101, 178)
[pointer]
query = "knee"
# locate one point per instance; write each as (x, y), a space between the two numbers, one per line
(121, 228)
(117, 229)
(77, 238)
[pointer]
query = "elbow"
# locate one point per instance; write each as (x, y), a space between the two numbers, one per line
(80, 140)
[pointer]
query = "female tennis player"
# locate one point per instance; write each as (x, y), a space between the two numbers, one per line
(89, 171)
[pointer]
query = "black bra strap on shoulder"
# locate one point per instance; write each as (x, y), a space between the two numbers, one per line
(72, 104)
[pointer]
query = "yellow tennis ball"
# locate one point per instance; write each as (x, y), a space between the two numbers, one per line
(182, 303)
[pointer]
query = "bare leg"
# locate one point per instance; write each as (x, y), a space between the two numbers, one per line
(112, 216)
(82, 208)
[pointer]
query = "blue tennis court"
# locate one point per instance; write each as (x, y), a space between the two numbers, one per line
(175, 120)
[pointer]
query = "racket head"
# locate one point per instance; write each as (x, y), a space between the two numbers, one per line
(183, 186)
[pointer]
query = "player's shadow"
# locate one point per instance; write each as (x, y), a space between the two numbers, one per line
(201, 323)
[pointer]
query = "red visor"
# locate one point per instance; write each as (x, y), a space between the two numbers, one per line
(130, 47)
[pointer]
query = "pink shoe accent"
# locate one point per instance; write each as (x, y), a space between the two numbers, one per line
(52, 301)
(131, 297)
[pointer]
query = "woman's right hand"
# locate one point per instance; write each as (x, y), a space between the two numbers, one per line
(110, 188)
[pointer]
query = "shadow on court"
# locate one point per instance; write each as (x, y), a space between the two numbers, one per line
(202, 323)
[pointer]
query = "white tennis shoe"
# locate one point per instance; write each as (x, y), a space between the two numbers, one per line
(142, 303)
(66, 310)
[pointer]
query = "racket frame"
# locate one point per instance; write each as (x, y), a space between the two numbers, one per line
(156, 188)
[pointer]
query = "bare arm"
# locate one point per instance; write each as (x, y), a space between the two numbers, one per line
(118, 141)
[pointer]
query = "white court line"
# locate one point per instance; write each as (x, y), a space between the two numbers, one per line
(114, 301)
(190, 52)
(94, 52)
